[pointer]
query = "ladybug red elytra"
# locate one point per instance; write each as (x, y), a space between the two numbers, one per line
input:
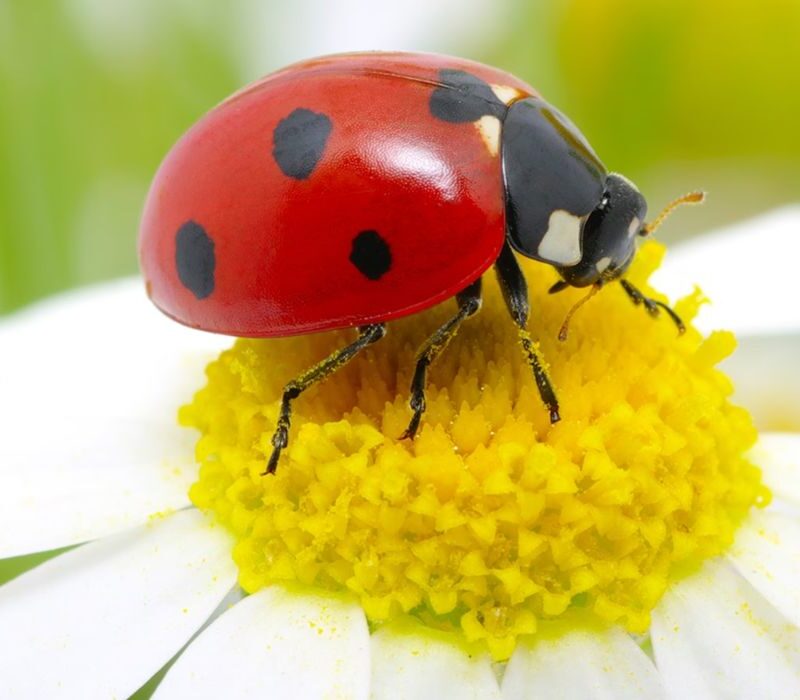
(350, 190)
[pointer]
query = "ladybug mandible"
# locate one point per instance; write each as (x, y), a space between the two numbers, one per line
(350, 190)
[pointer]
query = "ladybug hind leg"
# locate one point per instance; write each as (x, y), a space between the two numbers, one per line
(367, 335)
(515, 293)
(469, 303)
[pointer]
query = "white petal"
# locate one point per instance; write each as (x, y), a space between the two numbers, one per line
(602, 665)
(98, 621)
(91, 382)
(778, 456)
(422, 667)
(279, 645)
(764, 372)
(749, 271)
(99, 353)
(69, 486)
(714, 636)
(767, 554)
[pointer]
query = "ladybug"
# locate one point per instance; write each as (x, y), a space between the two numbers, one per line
(350, 190)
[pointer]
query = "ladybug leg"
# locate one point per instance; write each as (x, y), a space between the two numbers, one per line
(469, 302)
(367, 335)
(653, 307)
(515, 293)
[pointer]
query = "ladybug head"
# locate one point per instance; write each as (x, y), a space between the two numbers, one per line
(562, 206)
(609, 235)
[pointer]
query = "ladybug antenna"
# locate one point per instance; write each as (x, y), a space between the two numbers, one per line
(562, 334)
(690, 198)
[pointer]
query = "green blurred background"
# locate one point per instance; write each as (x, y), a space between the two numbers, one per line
(676, 94)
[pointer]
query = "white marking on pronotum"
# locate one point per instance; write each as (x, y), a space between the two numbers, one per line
(489, 129)
(506, 94)
(562, 242)
(602, 264)
(634, 227)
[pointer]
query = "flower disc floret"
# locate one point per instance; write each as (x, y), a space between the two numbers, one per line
(492, 520)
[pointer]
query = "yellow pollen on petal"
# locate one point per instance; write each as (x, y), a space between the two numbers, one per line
(492, 521)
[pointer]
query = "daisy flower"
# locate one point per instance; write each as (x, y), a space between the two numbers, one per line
(646, 546)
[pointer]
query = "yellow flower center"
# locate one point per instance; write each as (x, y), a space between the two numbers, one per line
(491, 520)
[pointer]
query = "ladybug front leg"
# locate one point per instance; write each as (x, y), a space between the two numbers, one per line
(515, 293)
(652, 305)
(469, 302)
(367, 335)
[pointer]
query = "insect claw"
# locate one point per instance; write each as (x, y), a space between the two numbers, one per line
(413, 426)
(272, 464)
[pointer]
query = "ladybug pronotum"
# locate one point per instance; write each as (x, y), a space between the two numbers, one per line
(351, 190)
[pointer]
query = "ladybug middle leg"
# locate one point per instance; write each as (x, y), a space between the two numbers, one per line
(469, 303)
(515, 293)
(367, 335)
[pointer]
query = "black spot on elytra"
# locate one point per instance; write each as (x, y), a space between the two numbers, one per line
(371, 255)
(464, 98)
(299, 141)
(195, 259)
